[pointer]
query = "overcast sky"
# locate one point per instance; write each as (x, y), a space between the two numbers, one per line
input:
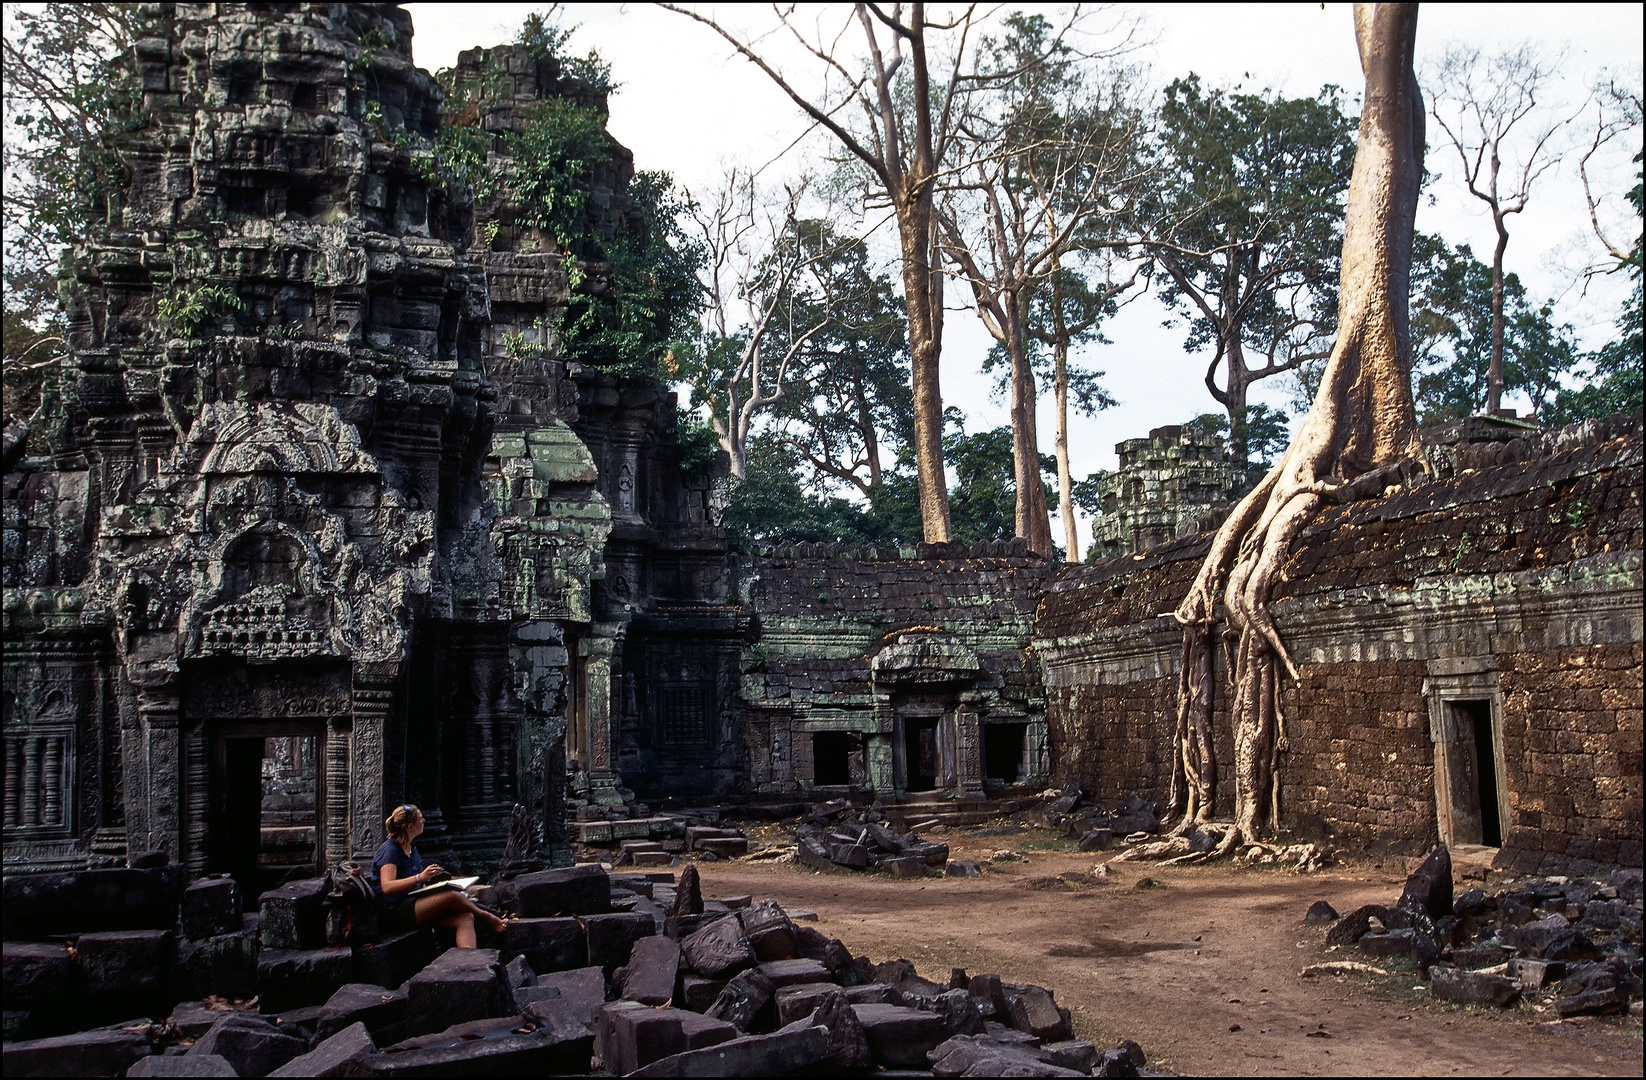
(687, 105)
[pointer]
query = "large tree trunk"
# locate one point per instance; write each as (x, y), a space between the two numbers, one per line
(1033, 524)
(1494, 373)
(925, 304)
(1060, 377)
(1360, 434)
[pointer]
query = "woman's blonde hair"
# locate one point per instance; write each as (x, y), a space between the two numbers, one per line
(399, 823)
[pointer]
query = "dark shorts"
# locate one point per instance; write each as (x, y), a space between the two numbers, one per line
(396, 915)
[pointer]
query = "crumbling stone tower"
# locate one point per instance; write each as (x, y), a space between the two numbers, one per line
(1165, 482)
(298, 488)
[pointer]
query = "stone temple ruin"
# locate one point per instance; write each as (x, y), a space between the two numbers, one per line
(318, 519)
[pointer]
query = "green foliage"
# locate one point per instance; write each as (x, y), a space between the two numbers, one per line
(546, 41)
(190, 311)
(1266, 432)
(696, 440)
(1087, 493)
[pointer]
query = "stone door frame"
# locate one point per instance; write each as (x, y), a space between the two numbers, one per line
(1451, 681)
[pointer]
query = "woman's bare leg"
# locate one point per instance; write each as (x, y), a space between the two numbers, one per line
(456, 912)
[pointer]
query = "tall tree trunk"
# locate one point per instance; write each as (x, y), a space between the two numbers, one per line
(1060, 386)
(925, 304)
(1494, 373)
(871, 439)
(1033, 524)
(1360, 434)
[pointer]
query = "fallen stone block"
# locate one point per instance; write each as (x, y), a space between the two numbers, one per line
(36, 974)
(873, 994)
(802, 999)
(1544, 941)
(1596, 1000)
(1074, 1054)
(461, 986)
(782, 973)
(698, 993)
(104, 1052)
(1393, 943)
(1471, 987)
(744, 1000)
(777, 1054)
(335, 1055)
(963, 868)
(381, 1010)
(612, 937)
(1429, 889)
(121, 962)
(989, 994)
(632, 1036)
(724, 847)
(547, 944)
(904, 866)
(1032, 1010)
(654, 965)
(573, 890)
(291, 917)
(288, 978)
(849, 1046)
(901, 975)
(935, 854)
(184, 1065)
(979, 1055)
(719, 949)
(251, 1043)
(192, 1019)
(1536, 974)
(393, 960)
(812, 853)
(899, 1036)
(1357, 923)
(225, 966)
(91, 901)
(497, 1047)
(770, 933)
(211, 907)
(1320, 913)
(1097, 840)
(580, 992)
(959, 1011)
(1480, 956)
(854, 855)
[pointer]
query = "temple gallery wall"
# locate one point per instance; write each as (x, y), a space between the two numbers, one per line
(360, 534)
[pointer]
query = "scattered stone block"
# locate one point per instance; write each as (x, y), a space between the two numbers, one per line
(573, 890)
(251, 1043)
(900, 1037)
(811, 852)
(769, 931)
(1480, 956)
(904, 866)
(1471, 987)
(782, 973)
(1356, 924)
(632, 1036)
(36, 974)
(381, 1010)
(873, 994)
(611, 937)
(393, 960)
(963, 868)
(91, 901)
(185, 1065)
(718, 950)
(291, 917)
(1097, 840)
(1074, 1054)
(778, 1054)
(486, 1048)
(1429, 889)
(698, 993)
(192, 1019)
(211, 907)
(122, 962)
(547, 944)
(849, 1046)
(334, 1055)
(1320, 913)
(1032, 1010)
(959, 1011)
(989, 994)
(103, 1052)
(225, 965)
(1394, 943)
(581, 991)
(935, 854)
(654, 964)
(799, 1001)
(288, 978)
(743, 1000)
(980, 1055)
(1536, 974)
(462, 985)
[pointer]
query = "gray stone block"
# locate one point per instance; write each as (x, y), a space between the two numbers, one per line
(81, 901)
(183, 1065)
(777, 1054)
(103, 1052)
(288, 978)
(493, 1047)
(900, 1037)
(611, 937)
(1471, 987)
(225, 965)
(573, 890)
(251, 1043)
(654, 964)
(211, 907)
(632, 1036)
(291, 917)
(335, 1055)
(719, 949)
(381, 1010)
(393, 960)
(36, 974)
(122, 962)
(463, 985)
(547, 944)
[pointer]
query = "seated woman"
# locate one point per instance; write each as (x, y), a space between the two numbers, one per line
(398, 868)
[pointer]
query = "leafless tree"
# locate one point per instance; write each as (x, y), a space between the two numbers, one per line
(765, 296)
(1617, 118)
(1492, 111)
(1359, 437)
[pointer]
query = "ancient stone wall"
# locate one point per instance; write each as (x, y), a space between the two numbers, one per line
(1165, 483)
(1500, 600)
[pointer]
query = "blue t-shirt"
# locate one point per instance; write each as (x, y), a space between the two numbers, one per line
(405, 865)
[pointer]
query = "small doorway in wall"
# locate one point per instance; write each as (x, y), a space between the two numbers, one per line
(920, 753)
(1003, 752)
(831, 758)
(267, 825)
(1472, 775)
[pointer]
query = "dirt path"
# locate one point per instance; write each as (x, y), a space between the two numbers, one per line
(1177, 967)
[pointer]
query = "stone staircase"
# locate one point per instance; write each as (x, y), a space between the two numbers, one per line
(954, 813)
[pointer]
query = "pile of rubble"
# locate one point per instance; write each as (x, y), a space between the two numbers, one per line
(623, 974)
(838, 834)
(1570, 944)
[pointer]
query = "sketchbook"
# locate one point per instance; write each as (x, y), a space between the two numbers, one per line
(461, 884)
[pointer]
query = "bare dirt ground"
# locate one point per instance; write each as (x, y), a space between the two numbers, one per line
(1203, 971)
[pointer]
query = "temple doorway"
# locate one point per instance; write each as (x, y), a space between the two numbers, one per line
(266, 827)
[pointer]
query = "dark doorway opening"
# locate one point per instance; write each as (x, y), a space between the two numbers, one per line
(239, 839)
(266, 829)
(1474, 782)
(831, 762)
(1003, 751)
(920, 754)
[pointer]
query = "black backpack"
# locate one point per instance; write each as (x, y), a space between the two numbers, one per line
(351, 907)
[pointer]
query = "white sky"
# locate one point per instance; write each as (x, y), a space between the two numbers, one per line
(687, 105)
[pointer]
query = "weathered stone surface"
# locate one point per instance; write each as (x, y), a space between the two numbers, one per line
(496, 1047)
(1353, 926)
(1074, 1054)
(900, 1036)
(1429, 888)
(903, 866)
(698, 993)
(980, 1055)
(769, 931)
(87, 1053)
(959, 1011)
(719, 950)
(393, 960)
(573, 890)
(121, 962)
(290, 917)
(1032, 1010)
(653, 966)
(632, 1036)
(777, 1054)
(744, 1001)
(251, 1043)
(462, 985)
(381, 1010)
(334, 1055)
(580, 992)
(187, 1065)
(547, 944)
(287, 978)
(225, 965)
(1320, 913)
(211, 907)
(611, 937)
(963, 868)
(1097, 840)
(83, 901)
(782, 973)
(1471, 987)
(36, 974)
